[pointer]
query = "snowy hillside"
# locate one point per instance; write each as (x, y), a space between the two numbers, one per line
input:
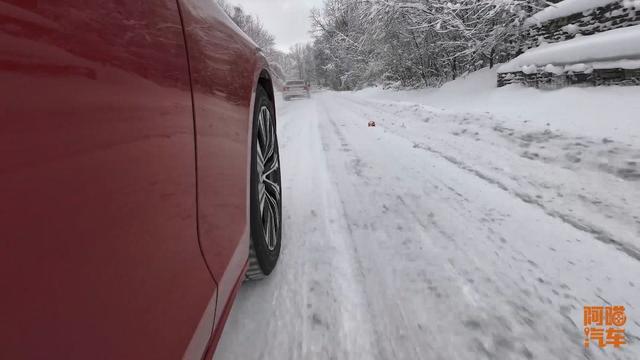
(592, 112)
(577, 142)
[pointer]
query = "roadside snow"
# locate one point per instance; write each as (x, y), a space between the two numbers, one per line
(574, 152)
(613, 45)
(598, 113)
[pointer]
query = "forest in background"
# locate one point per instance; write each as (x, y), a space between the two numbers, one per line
(395, 43)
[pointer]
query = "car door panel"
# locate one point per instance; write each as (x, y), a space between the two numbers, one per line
(99, 252)
(223, 72)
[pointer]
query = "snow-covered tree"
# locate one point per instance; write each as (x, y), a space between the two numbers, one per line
(250, 24)
(414, 42)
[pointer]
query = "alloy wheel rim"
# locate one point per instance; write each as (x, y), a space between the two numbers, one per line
(268, 169)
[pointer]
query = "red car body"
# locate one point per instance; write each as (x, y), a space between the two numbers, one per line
(125, 137)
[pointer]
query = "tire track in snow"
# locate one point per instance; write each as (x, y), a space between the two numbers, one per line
(313, 306)
(384, 352)
(352, 319)
(332, 266)
(357, 318)
(401, 337)
(598, 233)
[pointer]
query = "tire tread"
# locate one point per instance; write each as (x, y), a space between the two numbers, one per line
(254, 271)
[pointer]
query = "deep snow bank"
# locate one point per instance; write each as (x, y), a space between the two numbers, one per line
(613, 45)
(602, 112)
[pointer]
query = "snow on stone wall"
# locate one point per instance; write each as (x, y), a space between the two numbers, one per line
(539, 77)
(610, 46)
(592, 42)
(565, 8)
(560, 25)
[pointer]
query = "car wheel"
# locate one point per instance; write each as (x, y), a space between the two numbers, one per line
(266, 191)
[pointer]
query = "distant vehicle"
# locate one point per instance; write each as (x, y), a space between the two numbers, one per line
(296, 88)
(120, 238)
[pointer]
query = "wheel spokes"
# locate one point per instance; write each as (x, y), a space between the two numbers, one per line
(269, 145)
(260, 161)
(268, 171)
(262, 197)
(272, 166)
(266, 225)
(272, 222)
(272, 190)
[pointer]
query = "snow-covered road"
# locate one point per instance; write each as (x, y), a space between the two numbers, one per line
(418, 240)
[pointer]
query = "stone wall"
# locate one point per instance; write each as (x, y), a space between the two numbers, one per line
(595, 77)
(612, 16)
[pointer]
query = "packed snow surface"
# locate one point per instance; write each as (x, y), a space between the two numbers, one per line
(471, 223)
(565, 8)
(611, 45)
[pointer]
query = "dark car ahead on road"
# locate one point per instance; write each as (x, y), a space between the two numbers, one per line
(296, 88)
(140, 177)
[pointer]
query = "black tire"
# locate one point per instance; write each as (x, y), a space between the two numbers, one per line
(266, 240)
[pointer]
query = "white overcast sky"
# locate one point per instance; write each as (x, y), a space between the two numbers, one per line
(287, 20)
